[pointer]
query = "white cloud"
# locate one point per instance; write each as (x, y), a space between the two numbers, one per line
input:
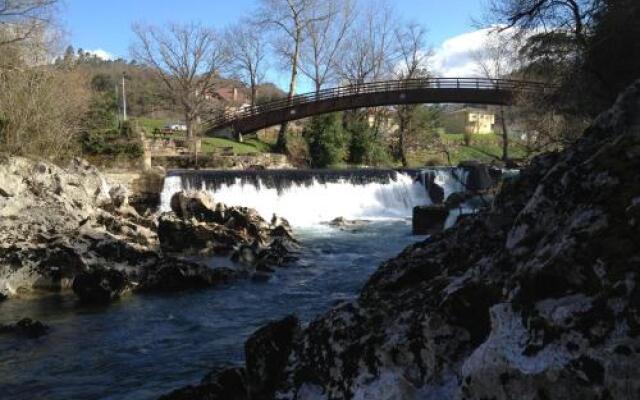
(454, 58)
(103, 54)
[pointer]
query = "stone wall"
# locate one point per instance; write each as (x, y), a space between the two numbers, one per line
(264, 160)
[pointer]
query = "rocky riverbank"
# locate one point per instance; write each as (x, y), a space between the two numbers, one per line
(536, 298)
(68, 229)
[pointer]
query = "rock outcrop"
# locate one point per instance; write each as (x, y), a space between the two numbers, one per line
(536, 298)
(100, 286)
(67, 228)
(56, 224)
(201, 226)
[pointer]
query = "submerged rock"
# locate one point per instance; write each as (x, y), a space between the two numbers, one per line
(100, 286)
(26, 328)
(348, 225)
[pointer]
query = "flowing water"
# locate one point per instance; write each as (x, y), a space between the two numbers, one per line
(146, 345)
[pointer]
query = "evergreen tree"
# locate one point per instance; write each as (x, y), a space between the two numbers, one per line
(326, 140)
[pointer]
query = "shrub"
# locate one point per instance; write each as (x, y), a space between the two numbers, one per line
(108, 143)
(326, 140)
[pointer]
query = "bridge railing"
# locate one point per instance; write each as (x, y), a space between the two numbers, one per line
(378, 87)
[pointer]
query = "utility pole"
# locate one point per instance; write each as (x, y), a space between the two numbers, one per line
(117, 103)
(124, 100)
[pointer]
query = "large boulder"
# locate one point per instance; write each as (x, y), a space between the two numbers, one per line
(267, 352)
(180, 235)
(195, 204)
(172, 275)
(428, 220)
(228, 384)
(478, 176)
(100, 286)
(26, 328)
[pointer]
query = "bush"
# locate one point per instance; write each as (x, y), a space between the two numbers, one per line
(326, 140)
(364, 149)
(109, 143)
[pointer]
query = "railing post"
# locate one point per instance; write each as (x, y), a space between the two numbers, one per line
(457, 83)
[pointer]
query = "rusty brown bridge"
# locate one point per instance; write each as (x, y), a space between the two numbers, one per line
(374, 94)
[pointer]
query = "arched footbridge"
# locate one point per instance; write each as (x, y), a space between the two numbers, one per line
(374, 94)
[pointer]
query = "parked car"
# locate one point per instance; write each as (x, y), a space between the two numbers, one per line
(176, 127)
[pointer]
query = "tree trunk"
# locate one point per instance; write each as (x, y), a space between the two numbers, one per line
(254, 93)
(189, 123)
(281, 144)
(505, 136)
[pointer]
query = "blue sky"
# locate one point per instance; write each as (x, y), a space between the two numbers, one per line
(106, 25)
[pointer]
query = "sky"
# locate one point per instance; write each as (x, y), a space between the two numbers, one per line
(104, 27)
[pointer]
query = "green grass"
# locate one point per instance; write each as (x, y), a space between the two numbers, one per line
(485, 148)
(250, 145)
(149, 124)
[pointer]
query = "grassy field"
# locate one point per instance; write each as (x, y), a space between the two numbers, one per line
(485, 148)
(249, 145)
(209, 144)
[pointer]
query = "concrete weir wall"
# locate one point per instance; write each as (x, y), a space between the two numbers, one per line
(144, 186)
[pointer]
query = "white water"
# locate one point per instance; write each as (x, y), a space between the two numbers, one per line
(308, 205)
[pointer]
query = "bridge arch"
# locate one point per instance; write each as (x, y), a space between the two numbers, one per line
(374, 94)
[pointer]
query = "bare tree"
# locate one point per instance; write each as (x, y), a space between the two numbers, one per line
(21, 19)
(413, 57)
(494, 60)
(188, 59)
(290, 20)
(324, 40)
(247, 51)
(368, 54)
(527, 15)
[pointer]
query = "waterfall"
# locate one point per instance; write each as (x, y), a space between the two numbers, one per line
(314, 201)
(308, 197)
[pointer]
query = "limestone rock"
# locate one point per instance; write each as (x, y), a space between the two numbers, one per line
(57, 223)
(267, 352)
(100, 286)
(194, 204)
(171, 275)
(178, 235)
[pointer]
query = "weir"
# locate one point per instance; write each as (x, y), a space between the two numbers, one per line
(309, 197)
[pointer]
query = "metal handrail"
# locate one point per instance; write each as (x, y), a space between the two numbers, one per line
(378, 87)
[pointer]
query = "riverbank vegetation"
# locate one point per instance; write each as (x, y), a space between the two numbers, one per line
(57, 104)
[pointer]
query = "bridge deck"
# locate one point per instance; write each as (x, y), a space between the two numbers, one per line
(374, 94)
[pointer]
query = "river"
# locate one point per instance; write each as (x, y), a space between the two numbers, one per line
(143, 346)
